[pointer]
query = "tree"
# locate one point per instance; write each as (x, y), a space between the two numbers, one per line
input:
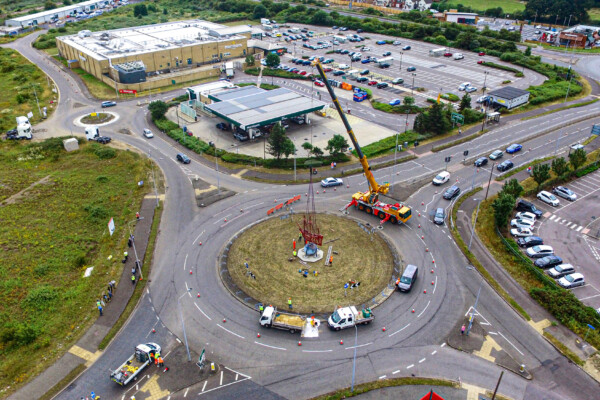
(165, 11)
(540, 173)
(140, 10)
(260, 11)
(436, 119)
(308, 147)
(465, 102)
(49, 5)
(320, 18)
(512, 187)
(336, 145)
(528, 51)
(577, 158)
(409, 101)
(158, 109)
(279, 143)
(250, 60)
(272, 60)
(67, 2)
(503, 206)
(317, 152)
(560, 166)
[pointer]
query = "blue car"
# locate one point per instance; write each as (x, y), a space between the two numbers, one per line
(366, 61)
(306, 62)
(395, 102)
(381, 42)
(513, 148)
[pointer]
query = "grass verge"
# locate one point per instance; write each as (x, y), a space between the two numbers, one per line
(521, 168)
(561, 49)
(139, 290)
(585, 103)
(54, 390)
(475, 262)
(564, 349)
(383, 383)
(266, 86)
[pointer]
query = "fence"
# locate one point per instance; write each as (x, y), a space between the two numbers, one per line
(187, 108)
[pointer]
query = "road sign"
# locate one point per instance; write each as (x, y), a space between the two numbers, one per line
(596, 129)
(201, 359)
(456, 117)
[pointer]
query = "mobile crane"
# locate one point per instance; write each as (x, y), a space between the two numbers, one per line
(367, 201)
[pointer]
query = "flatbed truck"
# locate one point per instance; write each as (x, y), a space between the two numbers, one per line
(130, 369)
(347, 317)
(271, 318)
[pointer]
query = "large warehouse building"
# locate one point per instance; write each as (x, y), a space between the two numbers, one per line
(151, 56)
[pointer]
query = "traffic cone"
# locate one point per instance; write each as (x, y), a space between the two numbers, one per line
(433, 261)
(323, 191)
(419, 225)
(200, 244)
(422, 203)
(419, 214)
(190, 271)
(432, 271)
(225, 219)
(413, 310)
(299, 343)
(383, 329)
(224, 320)
(425, 291)
(198, 294)
(153, 330)
(258, 335)
(422, 237)
(341, 342)
(426, 249)
(432, 282)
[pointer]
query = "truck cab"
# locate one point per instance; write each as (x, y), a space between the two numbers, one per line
(92, 132)
(347, 317)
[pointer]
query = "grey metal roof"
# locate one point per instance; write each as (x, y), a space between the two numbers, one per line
(508, 92)
(250, 106)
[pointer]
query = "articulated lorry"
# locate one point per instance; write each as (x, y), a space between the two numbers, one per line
(131, 368)
(22, 131)
(271, 318)
(347, 317)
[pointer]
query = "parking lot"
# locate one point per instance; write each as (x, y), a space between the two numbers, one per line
(434, 74)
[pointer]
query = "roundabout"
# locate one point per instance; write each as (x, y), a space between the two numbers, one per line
(262, 264)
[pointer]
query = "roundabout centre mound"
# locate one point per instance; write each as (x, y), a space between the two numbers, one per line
(268, 246)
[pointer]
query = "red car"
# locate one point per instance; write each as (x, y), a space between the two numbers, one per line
(319, 83)
(302, 72)
(480, 62)
(447, 54)
(372, 83)
(482, 53)
(327, 69)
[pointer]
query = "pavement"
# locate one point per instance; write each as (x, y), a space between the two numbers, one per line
(85, 351)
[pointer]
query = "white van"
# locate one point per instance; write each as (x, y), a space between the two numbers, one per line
(343, 66)
(458, 56)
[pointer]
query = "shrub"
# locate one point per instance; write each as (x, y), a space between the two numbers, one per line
(96, 213)
(105, 153)
(40, 298)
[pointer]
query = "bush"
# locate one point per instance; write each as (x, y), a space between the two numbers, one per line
(500, 66)
(105, 153)
(386, 144)
(450, 97)
(40, 298)
(96, 213)
(584, 171)
(400, 109)
(276, 72)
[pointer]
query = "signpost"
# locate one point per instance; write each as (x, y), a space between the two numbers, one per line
(596, 129)
(128, 91)
(201, 359)
(457, 119)
(111, 226)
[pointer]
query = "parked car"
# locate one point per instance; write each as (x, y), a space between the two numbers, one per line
(387, 53)
(406, 48)
(572, 280)
(540, 251)
(441, 178)
(440, 216)
(339, 73)
(327, 182)
(398, 81)
(505, 165)
(362, 79)
(565, 193)
(108, 104)
(241, 137)
(513, 148)
(481, 161)
(479, 61)
(382, 85)
(397, 43)
(496, 155)
(470, 89)
(223, 126)
(524, 205)
(530, 241)
(526, 215)
(482, 53)
(380, 42)
(451, 192)
(548, 262)
(410, 69)
(577, 146)
(521, 223)
(372, 83)
(319, 83)
(328, 69)
(366, 61)
(395, 102)
(182, 158)
(385, 65)
(103, 139)
(364, 72)
(521, 232)
(464, 85)
(447, 54)
(148, 133)
(561, 270)
(548, 198)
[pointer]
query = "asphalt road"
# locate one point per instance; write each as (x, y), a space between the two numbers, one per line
(412, 343)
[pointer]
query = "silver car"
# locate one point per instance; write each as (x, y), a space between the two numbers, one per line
(565, 193)
(439, 216)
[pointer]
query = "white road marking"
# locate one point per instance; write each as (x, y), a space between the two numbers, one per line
(443, 344)
(244, 375)
(580, 228)
(589, 297)
(383, 377)
(219, 220)
(435, 285)
(399, 330)
(271, 347)
(435, 351)
(500, 333)
(221, 380)
(185, 262)
(198, 237)
(492, 333)
(424, 309)
(552, 217)
(410, 366)
(198, 307)
(360, 345)
(421, 360)
(237, 376)
(186, 392)
(204, 386)
(227, 330)
(316, 351)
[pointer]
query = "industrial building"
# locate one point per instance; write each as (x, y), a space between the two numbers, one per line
(582, 36)
(152, 56)
(51, 16)
(461, 17)
(509, 97)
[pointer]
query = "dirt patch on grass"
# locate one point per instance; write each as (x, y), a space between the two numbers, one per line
(17, 196)
(267, 247)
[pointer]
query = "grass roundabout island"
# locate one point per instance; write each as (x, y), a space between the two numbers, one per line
(267, 247)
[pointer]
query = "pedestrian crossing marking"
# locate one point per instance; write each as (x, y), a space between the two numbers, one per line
(88, 356)
(486, 349)
(153, 389)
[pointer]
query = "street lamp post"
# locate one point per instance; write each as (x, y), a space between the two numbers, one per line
(401, 54)
(354, 360)
(138, 264)
(413, 84)
(183, 323)
(485, 103)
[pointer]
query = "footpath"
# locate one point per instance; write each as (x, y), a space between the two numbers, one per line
(85, 351)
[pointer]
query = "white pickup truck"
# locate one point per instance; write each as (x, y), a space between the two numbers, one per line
(140, 359)
(347, 317)
(271, 318)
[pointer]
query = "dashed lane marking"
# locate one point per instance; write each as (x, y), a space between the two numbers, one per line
(227, 330)
(433, 352)
(203, 313)
(399, 330)
(422, 360)
(317, 351)
(410, 366)
(271, 347)
(383, 377)
(360, 345)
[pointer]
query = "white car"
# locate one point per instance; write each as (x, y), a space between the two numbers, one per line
(521, 223)
(540, 251)
(572, 280)
(526, 215)
(441, 178)
(397, 43)
(366, 49)
(148, 133)
(548, 198)
(561, 270)
(521, 232)
(464, 85)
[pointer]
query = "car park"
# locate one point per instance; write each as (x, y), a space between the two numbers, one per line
(440, 216)
(327, 182)
(572, 280)
(481, 161)
(496, 155)
(108, 104)
(441, 178)
(561, 270)
(382, 85)
(182, 158)
(513, 148)
(148, 133)
(530, 241)
(521, 232)
(410, 69)
(451, 192)
(524, 205)
(406, 48)
(395, 102)
(521, 223)
(548, 198)
(505, 165)
(540, 251)
(548, 262)
(565, 193)
(398, 81)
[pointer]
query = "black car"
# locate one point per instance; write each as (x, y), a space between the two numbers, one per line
(382, 85)
(548, 262)
(530, 241)
(182, 158)
(451, 192)
(364, 72)
(222, 126)
(505, 165)
(103, 139)
(385, 65)
(481, 161)
(359, 30)
(362, 79)
(523, 205)
(339, 73)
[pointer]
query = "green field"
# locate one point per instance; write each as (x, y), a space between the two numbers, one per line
(509, 6)
(55, 207)
(18, 79)
(594, 14)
